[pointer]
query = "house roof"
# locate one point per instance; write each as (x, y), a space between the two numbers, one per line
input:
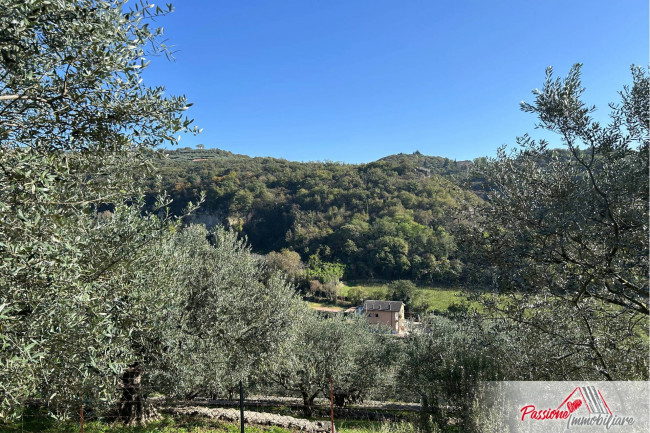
(382, 305)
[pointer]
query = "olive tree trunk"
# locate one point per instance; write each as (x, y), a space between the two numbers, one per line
(133, 408)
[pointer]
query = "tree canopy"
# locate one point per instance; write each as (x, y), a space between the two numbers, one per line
(75, 121)
(344, 350)
(565, 233)
(387, 219)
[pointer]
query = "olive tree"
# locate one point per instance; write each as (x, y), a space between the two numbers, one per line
(563, 236)
(344, 350)
(76, 126)
(232, 321)
(443, 363)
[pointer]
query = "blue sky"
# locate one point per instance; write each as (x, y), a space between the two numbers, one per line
(357, 80)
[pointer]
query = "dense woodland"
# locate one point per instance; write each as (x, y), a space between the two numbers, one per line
(389, 219)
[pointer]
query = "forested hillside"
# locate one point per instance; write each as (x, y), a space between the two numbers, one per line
(387, 219)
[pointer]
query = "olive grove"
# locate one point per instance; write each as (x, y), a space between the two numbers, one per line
(98, 294)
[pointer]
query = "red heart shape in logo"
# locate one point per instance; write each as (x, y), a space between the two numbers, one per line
(573, 405)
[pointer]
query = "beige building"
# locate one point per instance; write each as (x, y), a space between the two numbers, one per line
(390, 313)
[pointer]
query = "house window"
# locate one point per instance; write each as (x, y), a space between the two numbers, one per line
(376, 315)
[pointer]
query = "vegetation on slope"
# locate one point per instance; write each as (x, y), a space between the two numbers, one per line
(388, 219)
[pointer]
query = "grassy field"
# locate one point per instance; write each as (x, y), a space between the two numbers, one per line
(315, 305)
(438, 298)
(166, 425)
(182, 425)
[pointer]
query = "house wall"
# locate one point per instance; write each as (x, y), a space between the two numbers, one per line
(387, 318)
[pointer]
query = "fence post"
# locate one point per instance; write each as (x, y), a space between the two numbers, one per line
(241, 405)
(332, 402)
(81, 416)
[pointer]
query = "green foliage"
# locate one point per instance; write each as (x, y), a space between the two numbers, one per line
(443, 364)
(423, 299)
(387, 219)
(76, 127)
(323, 271)
(325, 276)
(354, 295)
(225, 323)
(402, 290)
(287, 262)
(344, 350)
(383, 427)
(565, 233)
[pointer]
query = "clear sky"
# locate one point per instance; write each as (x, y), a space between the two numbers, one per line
(356, 80)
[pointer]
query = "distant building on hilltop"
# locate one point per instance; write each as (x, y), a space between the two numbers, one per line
(389, 313)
